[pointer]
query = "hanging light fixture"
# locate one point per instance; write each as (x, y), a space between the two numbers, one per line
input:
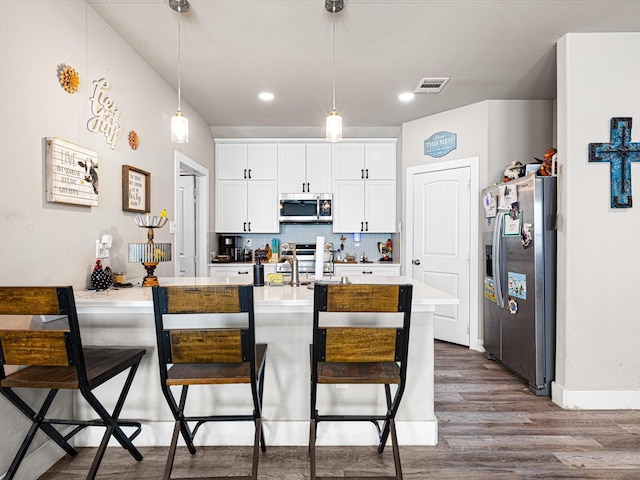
(334, 121)
(179, 123)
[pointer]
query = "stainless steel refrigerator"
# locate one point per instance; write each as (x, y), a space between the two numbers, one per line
(519, 292)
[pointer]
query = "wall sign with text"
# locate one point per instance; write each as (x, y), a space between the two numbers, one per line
(441, 143)
(71, 173)
(136, 190)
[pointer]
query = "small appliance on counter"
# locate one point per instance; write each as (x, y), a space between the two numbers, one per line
(229, 248)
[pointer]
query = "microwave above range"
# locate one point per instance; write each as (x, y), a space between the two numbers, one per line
(306, 208)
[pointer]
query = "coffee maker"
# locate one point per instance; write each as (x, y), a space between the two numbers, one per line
(231, 247)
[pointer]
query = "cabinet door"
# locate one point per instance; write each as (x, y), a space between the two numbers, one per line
(380, 206)
(231, 206)
(291, 168)
(348, 206)
(348, 161)
(231, 161)
(380, 161)
(319, 167)
(366, 269)
(262, 161)
(230, 270)
(262, 206)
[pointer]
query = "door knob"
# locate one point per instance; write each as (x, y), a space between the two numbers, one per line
(416, 262)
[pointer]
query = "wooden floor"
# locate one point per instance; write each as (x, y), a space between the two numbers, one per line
(490, 427)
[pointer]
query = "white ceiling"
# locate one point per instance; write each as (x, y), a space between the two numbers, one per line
(234, 49)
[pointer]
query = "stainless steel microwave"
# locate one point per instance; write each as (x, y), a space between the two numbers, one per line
(306, 208)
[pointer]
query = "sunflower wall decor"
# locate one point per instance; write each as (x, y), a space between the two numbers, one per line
(134, 140)
(69, 78)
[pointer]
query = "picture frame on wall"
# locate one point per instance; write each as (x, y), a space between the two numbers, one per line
(136, 190)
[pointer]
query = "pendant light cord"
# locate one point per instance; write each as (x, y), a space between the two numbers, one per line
(334, 56)
(179, 50)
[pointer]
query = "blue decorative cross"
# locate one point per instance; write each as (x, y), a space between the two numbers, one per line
(620, 153)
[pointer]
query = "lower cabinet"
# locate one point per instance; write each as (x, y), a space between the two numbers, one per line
(366, 269)
(233, 269)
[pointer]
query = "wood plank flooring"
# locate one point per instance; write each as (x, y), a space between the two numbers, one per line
(490, 427)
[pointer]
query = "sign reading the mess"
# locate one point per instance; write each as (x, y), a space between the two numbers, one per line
(440, 143)
(72, 173)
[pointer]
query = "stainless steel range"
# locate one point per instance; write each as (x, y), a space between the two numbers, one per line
(306, 255)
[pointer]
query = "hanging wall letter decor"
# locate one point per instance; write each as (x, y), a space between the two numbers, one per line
(620, 152)
(105, 114)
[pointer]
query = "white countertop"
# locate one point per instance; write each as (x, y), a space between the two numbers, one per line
(267, 299)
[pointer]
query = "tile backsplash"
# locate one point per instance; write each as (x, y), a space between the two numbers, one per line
(293, 233)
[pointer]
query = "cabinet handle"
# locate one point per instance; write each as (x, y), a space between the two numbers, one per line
(366, 225)
(245, 173)
(367, 175)
(244, 226)
(249, 229)
(243, 273)
(362, 173)
(362, 226)
(249, 173)
(308, 190)
(303, 191)
(367, 273)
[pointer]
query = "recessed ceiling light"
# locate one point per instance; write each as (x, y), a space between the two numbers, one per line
(266, 96)
(406, 96)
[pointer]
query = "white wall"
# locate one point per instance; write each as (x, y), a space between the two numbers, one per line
(598, 365)
(44, 243)
(496, 131)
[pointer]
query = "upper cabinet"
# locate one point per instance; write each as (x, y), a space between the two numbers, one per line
(304, 168)
(364, 187)
(362, 161)
(242, 161)
(246, 188)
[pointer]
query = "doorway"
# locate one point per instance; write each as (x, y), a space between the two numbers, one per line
(191, 223)
(442, 242)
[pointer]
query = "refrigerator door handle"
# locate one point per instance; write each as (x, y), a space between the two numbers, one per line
(497, 259)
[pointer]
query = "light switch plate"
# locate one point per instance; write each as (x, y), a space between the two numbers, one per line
(172, 226)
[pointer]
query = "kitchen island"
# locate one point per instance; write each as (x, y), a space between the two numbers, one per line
(284, 319)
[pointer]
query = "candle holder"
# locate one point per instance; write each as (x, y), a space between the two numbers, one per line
(150, 253)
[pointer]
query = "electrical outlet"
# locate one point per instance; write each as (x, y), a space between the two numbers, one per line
(248, 242)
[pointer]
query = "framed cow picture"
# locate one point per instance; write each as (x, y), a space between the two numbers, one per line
(71, 173)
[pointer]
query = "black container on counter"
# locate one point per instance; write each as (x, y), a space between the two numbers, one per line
(258, 275)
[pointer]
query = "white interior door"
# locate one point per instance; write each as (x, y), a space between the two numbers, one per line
(441, 245)
(186, 220)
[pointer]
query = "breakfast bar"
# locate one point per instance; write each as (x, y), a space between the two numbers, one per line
(283, 317)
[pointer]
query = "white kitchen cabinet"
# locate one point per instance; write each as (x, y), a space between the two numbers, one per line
(232, 269)
(374, 161)
(364, 187)
(392, 269)
(246, 188)
(247, 206)
(246, 161)
(304, 168)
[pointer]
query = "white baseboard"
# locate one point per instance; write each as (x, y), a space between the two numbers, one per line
(622, 399)
(277, 433)
(38, 461)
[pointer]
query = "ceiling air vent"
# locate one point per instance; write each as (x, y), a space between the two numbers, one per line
(431, 85)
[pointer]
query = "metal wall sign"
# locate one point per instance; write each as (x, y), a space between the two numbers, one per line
(441, 143)
(620, 152)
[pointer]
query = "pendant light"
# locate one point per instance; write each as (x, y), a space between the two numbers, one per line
(179, 123)
(334, 121)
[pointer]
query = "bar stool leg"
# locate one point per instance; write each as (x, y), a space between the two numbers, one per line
(396, 449)
(312, 449)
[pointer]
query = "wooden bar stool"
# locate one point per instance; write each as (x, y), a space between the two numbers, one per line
(213, 355)
(55, 359)
(362, 354)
